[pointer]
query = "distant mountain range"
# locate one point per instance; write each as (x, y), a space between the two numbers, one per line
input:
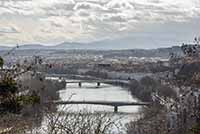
(115, 44)
(100, 48)
(121, 48)
(67, 45)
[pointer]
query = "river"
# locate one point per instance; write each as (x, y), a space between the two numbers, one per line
(105, 92)
(90, 92)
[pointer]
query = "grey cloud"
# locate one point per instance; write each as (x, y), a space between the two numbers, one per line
(100, 17)
(83, 14)
(8, 30)
(102, 28)
(56, 25)
(155, 1)
(88, 5)
(45, 31)
(19, 7)
(59, 6)
(116, 18)
(15, 0)
(116, 4)
(110, 11)
(60, 13)
(59, 9)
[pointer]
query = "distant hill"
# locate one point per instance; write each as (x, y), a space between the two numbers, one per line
(99, 45)
(73, 45)
(4, 48)
(32, 46)
(160, 52)
(25, 47)
(108, 47)
(121, 50)
(119, 44)
(108, 44)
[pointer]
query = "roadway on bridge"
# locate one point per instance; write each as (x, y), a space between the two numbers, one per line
(109, 103)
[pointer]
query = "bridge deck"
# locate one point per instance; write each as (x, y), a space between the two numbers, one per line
(96, 81)
(109, 103)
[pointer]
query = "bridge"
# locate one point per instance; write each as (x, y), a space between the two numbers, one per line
(115, 104)
(82, 79)
(80, 82)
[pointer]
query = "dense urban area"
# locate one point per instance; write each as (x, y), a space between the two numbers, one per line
(167, 79)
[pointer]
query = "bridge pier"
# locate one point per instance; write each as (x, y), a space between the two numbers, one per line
(115, 109)
(80, 84)
(98, 84)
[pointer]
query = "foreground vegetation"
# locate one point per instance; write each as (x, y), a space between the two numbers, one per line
(179, 110)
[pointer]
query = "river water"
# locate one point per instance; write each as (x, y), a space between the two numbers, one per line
(90, 92)
(105, 92)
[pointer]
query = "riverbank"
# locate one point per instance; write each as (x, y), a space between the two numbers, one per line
(132, 85)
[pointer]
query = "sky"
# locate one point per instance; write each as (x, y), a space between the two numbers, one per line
(155, 23)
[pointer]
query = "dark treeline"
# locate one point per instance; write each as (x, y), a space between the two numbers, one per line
(144, 88)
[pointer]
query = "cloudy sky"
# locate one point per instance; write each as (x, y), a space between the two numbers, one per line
(153, 23)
